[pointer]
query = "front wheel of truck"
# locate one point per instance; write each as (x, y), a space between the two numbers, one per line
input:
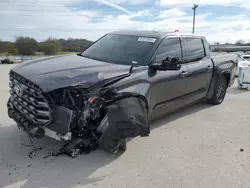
(109, 143)
(219, 91)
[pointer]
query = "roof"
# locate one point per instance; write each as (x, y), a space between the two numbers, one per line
(152, 33)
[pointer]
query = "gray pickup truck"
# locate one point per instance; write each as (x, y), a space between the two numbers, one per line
(113, 89)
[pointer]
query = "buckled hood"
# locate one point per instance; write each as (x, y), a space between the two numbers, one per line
(62, 71)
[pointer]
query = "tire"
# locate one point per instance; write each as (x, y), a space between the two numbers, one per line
(219, 91)
(114, 146)
(109, 144)
(123, 144)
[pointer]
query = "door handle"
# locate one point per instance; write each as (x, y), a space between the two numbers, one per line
(209, 68)
(183, 74)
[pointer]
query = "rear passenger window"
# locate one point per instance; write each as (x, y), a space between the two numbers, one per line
(169, 47)
(195, 49)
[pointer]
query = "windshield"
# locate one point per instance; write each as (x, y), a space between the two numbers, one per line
(121, 49)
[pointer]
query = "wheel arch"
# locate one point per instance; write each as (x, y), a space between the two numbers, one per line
(216, 75)
(227, 75)
(126, 116)
(122, 100)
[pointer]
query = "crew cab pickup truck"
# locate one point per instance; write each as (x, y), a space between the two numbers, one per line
(113, 89)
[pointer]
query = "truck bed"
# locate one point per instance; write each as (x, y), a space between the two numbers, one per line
(219, 58)
(226, 63)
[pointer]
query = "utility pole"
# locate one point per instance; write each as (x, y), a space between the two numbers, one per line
(194, 8)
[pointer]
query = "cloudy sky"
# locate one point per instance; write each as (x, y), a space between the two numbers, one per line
(218, 20)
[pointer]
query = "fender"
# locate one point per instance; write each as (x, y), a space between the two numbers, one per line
(127, 116)
(214, 79)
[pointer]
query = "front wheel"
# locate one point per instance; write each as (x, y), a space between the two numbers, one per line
(219, 91)
(113, 145)
(107, 141)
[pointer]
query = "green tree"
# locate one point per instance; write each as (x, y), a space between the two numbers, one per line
(26, 45)
(51, 46)
(74, 45)
(10, 48)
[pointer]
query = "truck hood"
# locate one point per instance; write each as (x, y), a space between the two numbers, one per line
(52, 73)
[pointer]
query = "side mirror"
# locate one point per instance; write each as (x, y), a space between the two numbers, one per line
(170, 63)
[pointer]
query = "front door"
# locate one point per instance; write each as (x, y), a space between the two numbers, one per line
(167, 86)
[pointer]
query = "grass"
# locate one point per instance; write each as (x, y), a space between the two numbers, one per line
(39, 53)
(3, 53)
(61, 53)
(58, 53)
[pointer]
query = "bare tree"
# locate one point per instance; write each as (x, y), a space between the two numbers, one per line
(240, 42)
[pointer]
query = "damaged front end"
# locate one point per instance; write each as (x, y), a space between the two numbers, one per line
(84, 118)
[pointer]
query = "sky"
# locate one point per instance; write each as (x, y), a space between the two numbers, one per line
(223, 21)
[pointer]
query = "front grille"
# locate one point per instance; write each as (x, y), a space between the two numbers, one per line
(28, 99)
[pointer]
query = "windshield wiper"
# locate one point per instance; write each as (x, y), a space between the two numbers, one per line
(80, 55)
(85, 56)
(90, 57)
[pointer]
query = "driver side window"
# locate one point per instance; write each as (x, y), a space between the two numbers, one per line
(169, 47)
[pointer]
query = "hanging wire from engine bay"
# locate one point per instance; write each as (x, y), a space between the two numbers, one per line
(34, 151)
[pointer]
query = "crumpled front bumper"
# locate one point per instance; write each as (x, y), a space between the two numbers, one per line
(19, 118)
(35, 130)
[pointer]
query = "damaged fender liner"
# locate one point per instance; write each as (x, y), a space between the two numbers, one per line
(127, 116)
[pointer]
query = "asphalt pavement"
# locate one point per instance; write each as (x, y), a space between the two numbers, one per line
(200, 146)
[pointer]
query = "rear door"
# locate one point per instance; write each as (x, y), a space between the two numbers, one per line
(200, 68)
(167, 86)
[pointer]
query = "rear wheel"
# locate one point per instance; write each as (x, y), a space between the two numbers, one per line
(219, 91)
